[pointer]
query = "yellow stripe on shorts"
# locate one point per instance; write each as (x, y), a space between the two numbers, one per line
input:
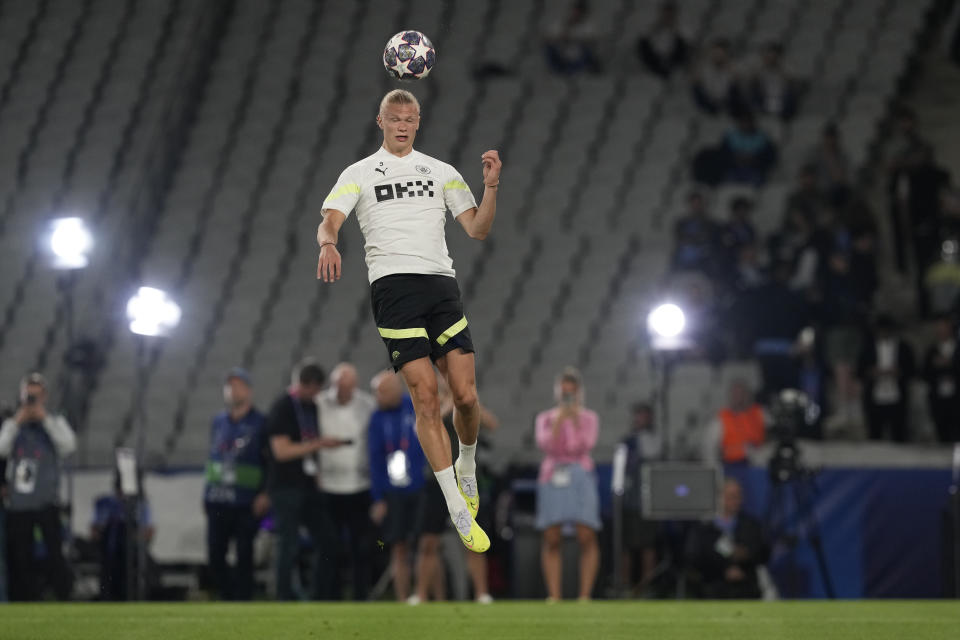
(459, 326)
(401, 334)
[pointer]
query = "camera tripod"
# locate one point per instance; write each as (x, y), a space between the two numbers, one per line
(791, 514)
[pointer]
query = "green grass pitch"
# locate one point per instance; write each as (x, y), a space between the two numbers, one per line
(876, 620)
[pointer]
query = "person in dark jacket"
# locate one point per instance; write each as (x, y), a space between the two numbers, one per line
(885, 367)
(724, 554)
(941, 370)
(396, 475)
(664, 49)
(235, 497)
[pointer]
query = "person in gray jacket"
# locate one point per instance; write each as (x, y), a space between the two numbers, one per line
(34, 442)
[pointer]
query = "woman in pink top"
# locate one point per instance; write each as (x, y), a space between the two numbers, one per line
(567, 486)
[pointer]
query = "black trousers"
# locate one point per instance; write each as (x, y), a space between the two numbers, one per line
(887, 417)
(946, 417)
(236, 523)
(351, 515)
(306, 506)
(25, 570)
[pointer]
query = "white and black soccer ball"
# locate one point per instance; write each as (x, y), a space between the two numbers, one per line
(409, 55)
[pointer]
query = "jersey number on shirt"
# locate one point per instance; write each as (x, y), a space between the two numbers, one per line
(412, 189)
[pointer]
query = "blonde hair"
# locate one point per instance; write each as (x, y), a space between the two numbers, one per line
(399, 96)
(569, 374)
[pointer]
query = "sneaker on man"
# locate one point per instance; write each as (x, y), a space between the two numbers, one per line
(471, 535)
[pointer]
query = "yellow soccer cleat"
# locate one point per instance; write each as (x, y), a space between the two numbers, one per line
(468, 489)
(471, 535)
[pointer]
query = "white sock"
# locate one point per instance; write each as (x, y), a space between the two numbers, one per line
(448, 484)
(468, 459)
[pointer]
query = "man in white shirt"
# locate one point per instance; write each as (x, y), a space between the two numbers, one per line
(344, 476)
(401, 197)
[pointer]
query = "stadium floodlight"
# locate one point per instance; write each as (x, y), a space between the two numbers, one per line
(667, 326)
(70, 242)
(666, 320)
(152, 312)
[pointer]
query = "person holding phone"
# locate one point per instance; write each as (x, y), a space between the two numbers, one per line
(345, 471)
(295, 439)
(567, 491)
(34, 441)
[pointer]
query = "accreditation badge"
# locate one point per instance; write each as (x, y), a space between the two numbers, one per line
(228, 472)
(25, 476)
(724, 546)
(398, 469)
(561, 477)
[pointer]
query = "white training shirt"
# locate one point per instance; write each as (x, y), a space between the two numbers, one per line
(401, 206)
(345, 469)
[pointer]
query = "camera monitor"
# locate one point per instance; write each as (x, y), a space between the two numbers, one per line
(678, 491)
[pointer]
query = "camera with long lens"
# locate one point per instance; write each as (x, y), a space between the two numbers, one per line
(791, 412)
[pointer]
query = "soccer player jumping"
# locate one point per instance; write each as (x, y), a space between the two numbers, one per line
(401, 197)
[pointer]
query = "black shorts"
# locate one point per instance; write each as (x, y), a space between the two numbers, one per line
(419, 316)
(401, 523)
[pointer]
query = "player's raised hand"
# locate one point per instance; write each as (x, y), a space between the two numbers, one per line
(491, 168)
(328, 268)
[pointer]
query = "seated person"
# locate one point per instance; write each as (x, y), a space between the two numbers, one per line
(769, 90)
(715, 80)
(748, 153)
(664, 49)
(571, 44)
(694, 237)
(723, 555)
(111, 515)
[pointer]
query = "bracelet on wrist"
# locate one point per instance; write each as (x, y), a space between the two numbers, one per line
(323, 244)
(492, 186)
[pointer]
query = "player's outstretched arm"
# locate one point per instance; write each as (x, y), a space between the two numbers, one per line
(328, 268)
(477, 222)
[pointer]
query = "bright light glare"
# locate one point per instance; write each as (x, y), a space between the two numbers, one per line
(70, 243)
(667, 321)
(152, 313)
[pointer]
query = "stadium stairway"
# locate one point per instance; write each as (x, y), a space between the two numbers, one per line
(73, 158)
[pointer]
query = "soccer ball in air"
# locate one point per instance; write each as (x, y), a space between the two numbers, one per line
(409, 55)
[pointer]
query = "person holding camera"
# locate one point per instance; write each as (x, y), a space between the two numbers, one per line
(34, 442)
(567, 485)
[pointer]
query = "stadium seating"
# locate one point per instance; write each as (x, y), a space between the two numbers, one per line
(596, 168)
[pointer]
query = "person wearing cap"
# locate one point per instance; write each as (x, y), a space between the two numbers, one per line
(234, 498)
(567, 492)
(35, 442)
